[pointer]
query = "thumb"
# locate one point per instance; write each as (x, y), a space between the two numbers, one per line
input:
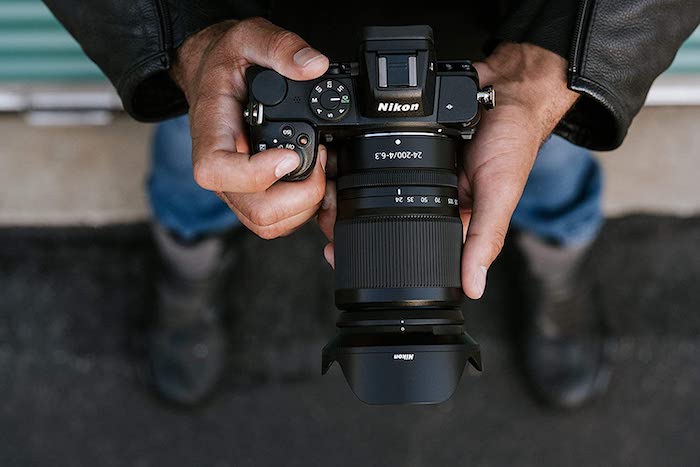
(265, 44)
(495, 198)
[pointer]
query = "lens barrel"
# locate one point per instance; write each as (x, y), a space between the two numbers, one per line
(398, 233)
(398, 242)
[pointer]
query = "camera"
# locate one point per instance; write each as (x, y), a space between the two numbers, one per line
(398, 118)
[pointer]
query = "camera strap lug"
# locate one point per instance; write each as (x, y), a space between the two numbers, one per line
(487, 97)
(254, 114)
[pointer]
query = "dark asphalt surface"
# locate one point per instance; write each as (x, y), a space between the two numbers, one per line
(73, 304)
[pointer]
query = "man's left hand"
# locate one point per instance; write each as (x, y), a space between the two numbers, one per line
(532, 97)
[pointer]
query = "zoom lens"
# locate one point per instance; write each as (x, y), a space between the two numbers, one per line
(398, 243)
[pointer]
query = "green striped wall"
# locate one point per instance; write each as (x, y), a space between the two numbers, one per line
(688, 58)
(35, 48)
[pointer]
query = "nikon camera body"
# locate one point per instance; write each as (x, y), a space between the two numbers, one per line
(398, 119)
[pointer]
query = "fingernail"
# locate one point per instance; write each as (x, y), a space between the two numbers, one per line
(287, 165)
(306, 56)
(323, 156)
(328, 254)
(480, 281)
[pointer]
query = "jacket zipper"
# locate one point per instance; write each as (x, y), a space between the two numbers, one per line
(581, 19)
(166, 27)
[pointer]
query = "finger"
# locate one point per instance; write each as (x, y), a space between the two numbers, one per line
(332, 165)
(327, 212)
(282, 228)
(495, 198)
(465, 203)
(215, 114)
(235, 172)
(219, 148)
(216, 124)
(486, 74)
(266, 44)
(329, 254)
(283, 200)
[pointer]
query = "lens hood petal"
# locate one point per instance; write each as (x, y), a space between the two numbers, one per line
(419, 372)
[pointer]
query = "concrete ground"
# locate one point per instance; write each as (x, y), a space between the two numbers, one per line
(74, 303)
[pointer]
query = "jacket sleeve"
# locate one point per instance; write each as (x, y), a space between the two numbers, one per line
(133, 43)
(615, 49)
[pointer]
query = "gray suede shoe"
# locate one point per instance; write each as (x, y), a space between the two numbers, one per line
(565, 346)
(187, 346)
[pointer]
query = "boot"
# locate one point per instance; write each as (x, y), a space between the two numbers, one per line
(564, 343)
(187, 344)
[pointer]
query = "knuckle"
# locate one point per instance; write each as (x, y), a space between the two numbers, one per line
(267, 233)
(318, 192)
(239, 34)
(496, 242)
(203, 175)
(234, 36)
(281, 42)
(493, 241)
(258, 181)
(256, 22)
(263, 216)
(242, 28)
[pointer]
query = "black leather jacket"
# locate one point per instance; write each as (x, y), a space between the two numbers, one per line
(615, 48)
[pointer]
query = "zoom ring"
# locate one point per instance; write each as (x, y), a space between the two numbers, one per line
(398, 251)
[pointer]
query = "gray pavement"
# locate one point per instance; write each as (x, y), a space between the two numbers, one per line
(74, 303)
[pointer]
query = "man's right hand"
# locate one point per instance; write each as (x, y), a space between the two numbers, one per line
(210, 69)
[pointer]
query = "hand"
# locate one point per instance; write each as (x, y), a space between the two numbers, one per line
(532, 97)
(210, 69)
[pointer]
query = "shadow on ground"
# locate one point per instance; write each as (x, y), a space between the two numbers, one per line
(73, 304)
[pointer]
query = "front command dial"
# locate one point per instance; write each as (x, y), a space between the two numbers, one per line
(330, 100)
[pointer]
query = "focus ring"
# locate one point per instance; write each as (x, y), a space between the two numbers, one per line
(397, 177)
(398, 252)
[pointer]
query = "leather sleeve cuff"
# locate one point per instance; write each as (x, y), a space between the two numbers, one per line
(148, 93)
(617, 51)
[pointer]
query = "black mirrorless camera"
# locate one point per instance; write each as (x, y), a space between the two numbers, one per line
(398, 119)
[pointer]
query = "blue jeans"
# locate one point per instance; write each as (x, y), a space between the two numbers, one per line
(561, 201)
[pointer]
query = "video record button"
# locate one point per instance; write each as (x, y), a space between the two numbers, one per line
(303, 139)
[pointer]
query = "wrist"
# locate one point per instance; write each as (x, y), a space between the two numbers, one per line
(533, 78)
(188, 56)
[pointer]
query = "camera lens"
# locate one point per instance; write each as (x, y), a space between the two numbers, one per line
(398, 242)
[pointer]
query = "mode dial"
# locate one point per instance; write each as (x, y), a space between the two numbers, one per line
(330, 100)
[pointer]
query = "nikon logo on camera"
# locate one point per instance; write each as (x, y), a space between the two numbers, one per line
(397, 107)
(404, 356)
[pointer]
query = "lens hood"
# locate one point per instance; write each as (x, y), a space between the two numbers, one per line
(410, 368)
